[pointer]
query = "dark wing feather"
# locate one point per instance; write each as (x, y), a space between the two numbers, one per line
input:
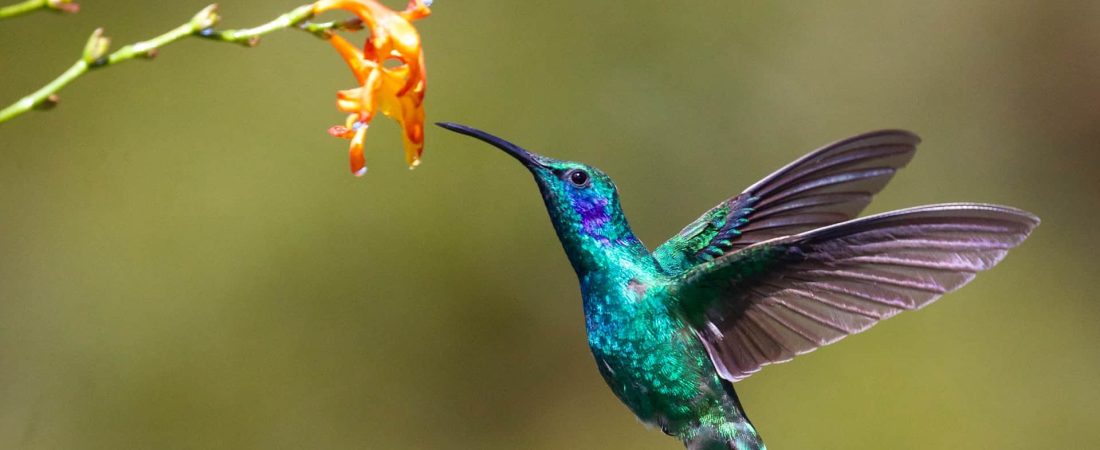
(788, 296)
(827, 186)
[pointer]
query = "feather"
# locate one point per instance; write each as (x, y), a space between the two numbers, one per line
(827, 186)
(788, 296)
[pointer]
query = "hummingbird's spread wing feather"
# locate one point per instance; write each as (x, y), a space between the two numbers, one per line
(791, 295)
(827, 186)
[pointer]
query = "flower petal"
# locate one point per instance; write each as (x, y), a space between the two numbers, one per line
(397, 91)
(358, 160)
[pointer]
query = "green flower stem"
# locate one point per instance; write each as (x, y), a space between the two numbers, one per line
(200, 26)
(251, 36)
(27, 6)
(21, 8)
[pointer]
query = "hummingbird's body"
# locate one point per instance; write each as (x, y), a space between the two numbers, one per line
(656, 365)
(646, 353)
(777, 271)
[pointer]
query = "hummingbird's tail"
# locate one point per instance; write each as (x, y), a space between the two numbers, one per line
(713, 437)
(724, 436)
(727, 428)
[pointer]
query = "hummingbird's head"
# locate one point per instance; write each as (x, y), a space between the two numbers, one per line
(582, 201)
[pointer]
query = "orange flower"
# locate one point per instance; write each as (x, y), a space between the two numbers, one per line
(390, 70)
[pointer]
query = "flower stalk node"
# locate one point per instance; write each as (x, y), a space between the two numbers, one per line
(48, 103)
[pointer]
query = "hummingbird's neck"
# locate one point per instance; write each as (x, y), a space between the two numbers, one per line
(597, 238)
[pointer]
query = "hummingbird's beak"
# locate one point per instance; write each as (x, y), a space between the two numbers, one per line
(530, 160)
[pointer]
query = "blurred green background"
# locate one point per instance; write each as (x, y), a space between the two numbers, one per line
(187, 262)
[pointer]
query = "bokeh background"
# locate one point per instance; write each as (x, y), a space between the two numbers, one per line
(187, 262)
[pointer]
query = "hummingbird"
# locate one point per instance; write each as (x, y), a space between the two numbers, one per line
(779, 270)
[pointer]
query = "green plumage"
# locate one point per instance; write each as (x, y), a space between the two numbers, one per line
(645, 351)
(774, 272)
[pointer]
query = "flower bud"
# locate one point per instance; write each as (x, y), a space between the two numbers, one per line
(97, 46)
(206, 18)
(63, 5)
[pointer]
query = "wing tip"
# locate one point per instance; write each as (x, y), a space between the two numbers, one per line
(903, 135)
(986, 210)
(897, 136)
(1025, 221)
(961, 209)
(885, 137)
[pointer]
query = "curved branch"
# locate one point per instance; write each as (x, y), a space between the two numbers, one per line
(27, 6)
(201, 25)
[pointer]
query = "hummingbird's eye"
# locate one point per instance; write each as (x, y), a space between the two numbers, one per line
(578, 177)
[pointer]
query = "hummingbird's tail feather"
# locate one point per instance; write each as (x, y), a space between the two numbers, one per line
(724, 435)
(725, 428)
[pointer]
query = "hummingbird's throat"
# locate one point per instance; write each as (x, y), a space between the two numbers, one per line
(595, 235)
(591, 228)
(594, 218)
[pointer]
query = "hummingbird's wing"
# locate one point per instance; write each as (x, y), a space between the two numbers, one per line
(827, 186)
(790, 295)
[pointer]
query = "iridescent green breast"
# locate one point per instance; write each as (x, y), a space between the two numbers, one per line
(651, 360)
